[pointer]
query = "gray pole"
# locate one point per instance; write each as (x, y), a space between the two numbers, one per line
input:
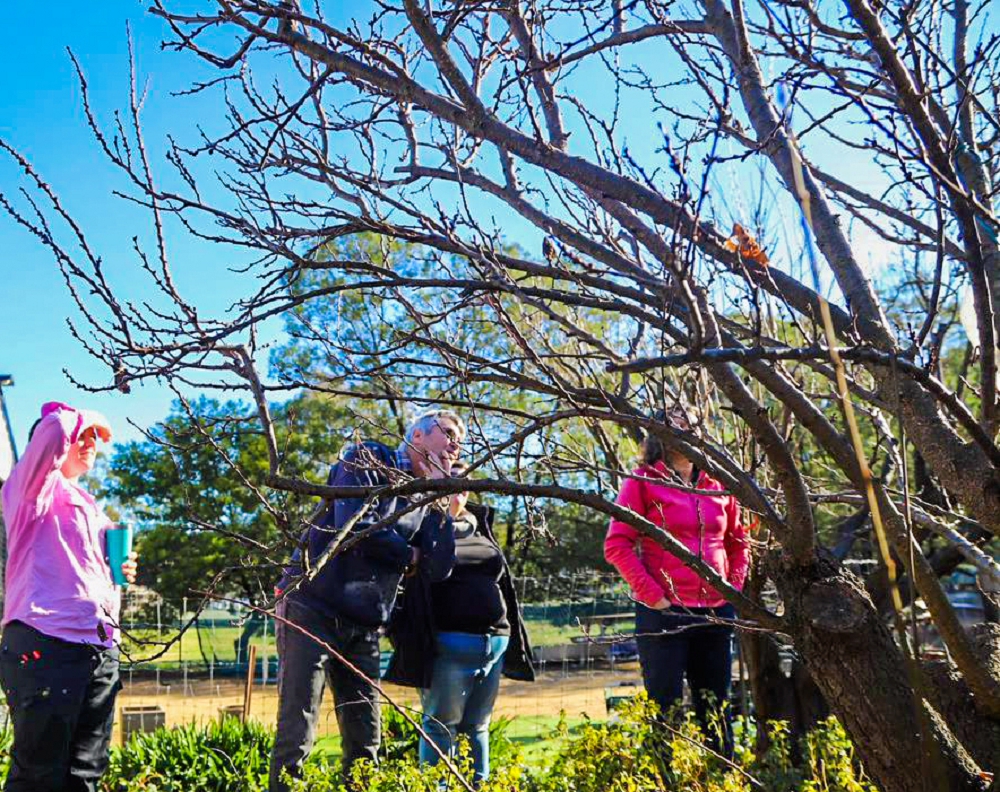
(5, 380)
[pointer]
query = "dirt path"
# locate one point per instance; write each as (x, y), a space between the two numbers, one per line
(575, 692)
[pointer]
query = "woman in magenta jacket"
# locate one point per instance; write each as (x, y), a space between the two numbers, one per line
(676, 611)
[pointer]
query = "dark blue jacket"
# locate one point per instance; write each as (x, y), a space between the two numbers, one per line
(359, 584)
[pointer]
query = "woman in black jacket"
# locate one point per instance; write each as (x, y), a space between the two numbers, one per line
(454, 638)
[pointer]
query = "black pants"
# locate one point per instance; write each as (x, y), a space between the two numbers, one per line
(61, 697)
(675, 643)
(305, 667)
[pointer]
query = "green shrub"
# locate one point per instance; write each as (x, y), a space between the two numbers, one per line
(776, 765)
(607, 757)
(633, 753)
(401, 740)
(406, 775)
(6, 739)
(832, 765)
(221, 757)
(637, 753)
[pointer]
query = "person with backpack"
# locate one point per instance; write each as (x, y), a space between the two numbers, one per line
(454, 638)
(683, 625)
(343, 601)
(58, 651)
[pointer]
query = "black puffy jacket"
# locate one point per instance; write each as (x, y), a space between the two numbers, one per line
(411, 628)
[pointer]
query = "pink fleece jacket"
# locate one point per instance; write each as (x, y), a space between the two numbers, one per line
(708, 525)
(58, 580)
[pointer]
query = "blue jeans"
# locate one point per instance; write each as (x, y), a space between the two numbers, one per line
(460, 700)
(681, 642)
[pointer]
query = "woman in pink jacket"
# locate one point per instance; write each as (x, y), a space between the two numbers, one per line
(675, 609)
(58, 653)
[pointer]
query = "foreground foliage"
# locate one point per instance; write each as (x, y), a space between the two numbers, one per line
(630, 753)
(634, 753)
(219, 757)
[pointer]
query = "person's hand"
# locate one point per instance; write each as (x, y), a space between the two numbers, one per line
(92, 418)
(131, 567)
(436, 467)
(662, 604)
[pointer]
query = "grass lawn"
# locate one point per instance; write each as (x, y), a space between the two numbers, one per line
(536, 734)
(219, 641)
(538, 737)
(544, 633)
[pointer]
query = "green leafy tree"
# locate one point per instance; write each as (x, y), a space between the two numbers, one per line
(199, 521)
(339, 330)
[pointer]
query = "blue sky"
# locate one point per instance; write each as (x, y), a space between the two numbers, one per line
(43, 118)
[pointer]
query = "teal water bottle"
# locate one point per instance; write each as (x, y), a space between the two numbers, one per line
(119, 540)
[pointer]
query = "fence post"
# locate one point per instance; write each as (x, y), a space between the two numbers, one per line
(159, 635)
(263, 654)
(180, 641)
(248, 690)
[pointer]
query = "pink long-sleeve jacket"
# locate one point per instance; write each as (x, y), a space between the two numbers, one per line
(58, 580)
(708, 525)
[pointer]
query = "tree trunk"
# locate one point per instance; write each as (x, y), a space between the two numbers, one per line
(952, 698)
(862, 674)
(794, 699)
(991, 601)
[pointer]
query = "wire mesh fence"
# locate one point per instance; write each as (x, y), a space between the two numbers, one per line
(194, 667)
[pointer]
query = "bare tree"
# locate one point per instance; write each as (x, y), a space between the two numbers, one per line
(436, 127)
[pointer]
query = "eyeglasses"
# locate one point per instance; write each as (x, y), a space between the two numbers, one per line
(451, 433)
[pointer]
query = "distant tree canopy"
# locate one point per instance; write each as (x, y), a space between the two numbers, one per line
(198, 520)
(201, 528)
